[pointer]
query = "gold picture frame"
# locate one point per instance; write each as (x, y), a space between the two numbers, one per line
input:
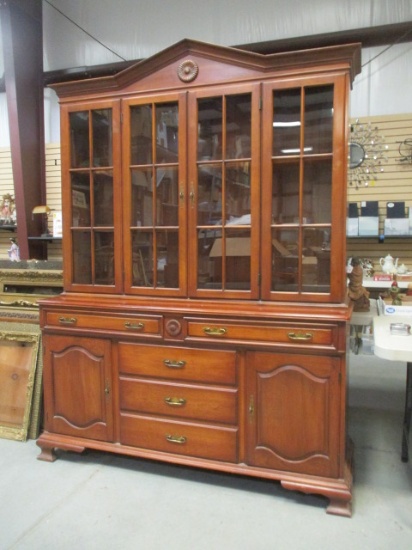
(20, 385)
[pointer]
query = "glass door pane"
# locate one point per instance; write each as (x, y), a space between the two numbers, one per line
(319, 119)
(102, 137)
(209, 139)
(286, 122)
(317, 197)
(82, 267)
(141, 134)
(223, 193)
(103, 198)
(301, 220)
(92, 197)
(285, 259)
(79, 139)
(104, 257)
(154, 195)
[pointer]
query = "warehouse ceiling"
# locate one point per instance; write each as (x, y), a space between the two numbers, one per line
(96, 32)
(86, 37)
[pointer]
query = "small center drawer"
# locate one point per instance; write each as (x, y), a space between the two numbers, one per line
(200, 365)
(123, 323)
(179, 400)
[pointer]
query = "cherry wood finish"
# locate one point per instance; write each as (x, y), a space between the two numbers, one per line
(79, 367)
(204, 316)
(310, 443)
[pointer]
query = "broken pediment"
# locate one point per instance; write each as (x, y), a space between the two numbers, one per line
(190, 63)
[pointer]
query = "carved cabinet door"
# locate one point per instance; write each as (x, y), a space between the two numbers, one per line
(77, 387)
(294, 412)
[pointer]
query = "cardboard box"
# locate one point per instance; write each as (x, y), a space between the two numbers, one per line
(396, 226)
(385, 306)
(352, 227)
(235, 246)
(237, 261)
(369, 226)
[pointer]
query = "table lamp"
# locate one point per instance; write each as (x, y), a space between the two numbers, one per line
(45, 210)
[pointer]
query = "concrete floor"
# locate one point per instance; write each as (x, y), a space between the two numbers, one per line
(101, 501)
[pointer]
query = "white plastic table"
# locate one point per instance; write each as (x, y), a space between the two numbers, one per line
(397, 348)
(362, 319)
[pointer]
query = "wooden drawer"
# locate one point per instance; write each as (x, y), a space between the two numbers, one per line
(211, 442)
(141, 324)
(170, 362)
(293, 334)
(192, 402)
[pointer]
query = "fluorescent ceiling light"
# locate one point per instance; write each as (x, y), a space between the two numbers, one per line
(291, 124)
(292, 151)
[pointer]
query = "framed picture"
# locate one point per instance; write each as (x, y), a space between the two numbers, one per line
(20, 387)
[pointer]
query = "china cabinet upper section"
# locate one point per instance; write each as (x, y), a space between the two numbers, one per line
(209, 172)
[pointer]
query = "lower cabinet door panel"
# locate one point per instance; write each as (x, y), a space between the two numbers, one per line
(210, 442)
(77, 393)
(294, 409)
(178, 400)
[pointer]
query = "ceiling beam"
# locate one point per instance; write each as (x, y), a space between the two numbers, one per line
(369, 37)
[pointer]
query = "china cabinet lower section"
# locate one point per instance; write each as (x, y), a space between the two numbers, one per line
(204, 391)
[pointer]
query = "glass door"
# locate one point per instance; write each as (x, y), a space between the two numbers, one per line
(224, 192)
(92, 192)
(155, 208)
(299, 192)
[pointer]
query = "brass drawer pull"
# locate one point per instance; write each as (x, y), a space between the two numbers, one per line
(174, 364)
(175, 401)
(302, 336)
(67, 320)
(179, 439)
(214, 331)
(134, 326)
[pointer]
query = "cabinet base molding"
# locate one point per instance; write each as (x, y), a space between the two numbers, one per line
(48, 447)
(337, 491)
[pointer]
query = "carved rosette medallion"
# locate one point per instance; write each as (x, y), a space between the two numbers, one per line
(173, 327)
(188, 71)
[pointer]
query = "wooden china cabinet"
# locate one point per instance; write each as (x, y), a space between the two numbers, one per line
(204, 315)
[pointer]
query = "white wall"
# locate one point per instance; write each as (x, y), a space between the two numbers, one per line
(4, 122)
(51, 119)
(384, 86)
